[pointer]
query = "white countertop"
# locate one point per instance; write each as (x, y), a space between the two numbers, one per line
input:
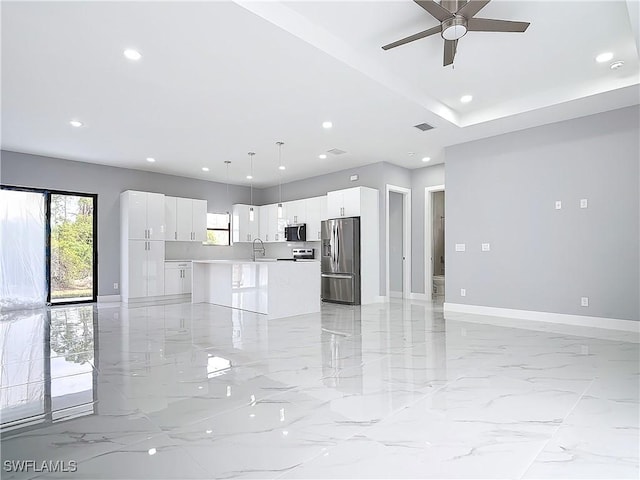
(263, 260)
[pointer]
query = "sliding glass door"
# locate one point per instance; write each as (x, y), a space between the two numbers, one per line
(72, 248)
(48, 248)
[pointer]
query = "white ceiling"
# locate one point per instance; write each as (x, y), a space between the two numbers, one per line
(220, 79)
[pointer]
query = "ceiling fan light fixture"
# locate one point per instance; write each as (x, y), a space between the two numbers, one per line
(454, 28)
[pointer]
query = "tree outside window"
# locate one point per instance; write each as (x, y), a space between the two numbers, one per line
(218, 229)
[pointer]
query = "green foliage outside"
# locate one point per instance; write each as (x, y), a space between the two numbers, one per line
(71, 246)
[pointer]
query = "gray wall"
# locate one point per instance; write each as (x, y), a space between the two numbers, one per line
(420, 179)
(46, 172)
(502, 191)
(396, 229)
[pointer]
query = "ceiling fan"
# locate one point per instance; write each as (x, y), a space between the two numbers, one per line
(456, 19)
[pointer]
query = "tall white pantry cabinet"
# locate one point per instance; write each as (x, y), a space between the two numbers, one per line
(142, 233)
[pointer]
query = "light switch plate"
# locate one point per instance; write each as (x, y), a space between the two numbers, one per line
(558, 204)
(463, 292)
(460, 247)
(115, 285)
(486, 247)
(584, 203)
(584, 301)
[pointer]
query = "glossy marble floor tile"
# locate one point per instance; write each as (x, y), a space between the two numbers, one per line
(381, 391)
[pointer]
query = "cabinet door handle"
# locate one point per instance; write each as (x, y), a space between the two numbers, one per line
(175, 235)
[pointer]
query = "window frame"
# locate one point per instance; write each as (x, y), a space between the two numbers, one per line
(228, 230)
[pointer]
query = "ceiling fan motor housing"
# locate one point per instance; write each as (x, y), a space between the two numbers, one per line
(454, 28)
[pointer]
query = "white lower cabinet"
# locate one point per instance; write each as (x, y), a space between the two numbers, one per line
(145, 262)
(177, 278)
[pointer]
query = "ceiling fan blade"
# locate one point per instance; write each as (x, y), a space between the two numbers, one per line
(435, 9)
(416, 36)
(490, 25)
(472, 7)
(450, 47)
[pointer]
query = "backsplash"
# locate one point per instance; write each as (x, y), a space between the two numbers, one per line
(197, 251)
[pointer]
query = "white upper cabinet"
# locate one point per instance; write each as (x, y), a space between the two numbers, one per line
(144, 215)
(271, 227)
(186, 219)
(199, 220)
(295, 212)
(344, 203)
(245, 224)
(314, 216)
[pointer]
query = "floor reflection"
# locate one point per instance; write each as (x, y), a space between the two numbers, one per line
(49, 359)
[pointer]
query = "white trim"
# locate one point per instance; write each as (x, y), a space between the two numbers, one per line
(380, 299)
(420, 296)
(560, 318)
(108, 298)
(395, 295)
(406, 244)
(428, 233)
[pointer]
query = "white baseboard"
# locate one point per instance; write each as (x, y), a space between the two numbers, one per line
(108, 298)
(559, 318)
(395, 294)
(420, 296)
(380, 299)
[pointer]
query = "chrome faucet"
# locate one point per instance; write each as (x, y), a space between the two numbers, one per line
(259, 249)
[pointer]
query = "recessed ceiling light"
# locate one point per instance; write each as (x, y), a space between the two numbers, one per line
(616, 65)
(327, 124)
(322, 156)
(249, 177)
(466, 98)
(604, 57)
(75, 123)
(205, 169)
(150, 159)
(426, 159)
(132, 54)
(152, 451)
(282, 167)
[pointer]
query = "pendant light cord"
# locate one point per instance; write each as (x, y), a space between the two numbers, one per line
(280, 170)
(251, 154)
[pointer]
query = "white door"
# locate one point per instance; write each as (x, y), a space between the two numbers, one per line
(172, 280)
(170, 216)
(351, 202)
(335, 202)
(313, 207)
(199, 220)
(137, 214)
(138, 268)
(265, 233)
(186, 280)
(185, 220)
(155, 268)
(155, 216)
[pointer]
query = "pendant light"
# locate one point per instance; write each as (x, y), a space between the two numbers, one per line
(250, 177)
(280, 168)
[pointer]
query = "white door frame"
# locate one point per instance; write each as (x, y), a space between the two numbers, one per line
(428, 235)
(406, 244)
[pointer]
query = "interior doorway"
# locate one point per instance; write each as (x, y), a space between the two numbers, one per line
(398, 241)
(434, 235)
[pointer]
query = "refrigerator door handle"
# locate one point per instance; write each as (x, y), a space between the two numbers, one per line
(336, 275)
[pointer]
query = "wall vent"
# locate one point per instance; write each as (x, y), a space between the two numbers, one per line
(423, 126)
(336, 151)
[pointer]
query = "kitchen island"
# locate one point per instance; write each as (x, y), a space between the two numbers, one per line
(272, 288)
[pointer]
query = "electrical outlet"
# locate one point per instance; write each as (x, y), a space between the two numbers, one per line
(584, 301)
(460, 247)
(584, 203)
(115, 285)
(558, 204)
(463, 332)
(463, 292)
(486, 247)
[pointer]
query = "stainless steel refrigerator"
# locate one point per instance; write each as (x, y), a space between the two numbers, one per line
(340, 260)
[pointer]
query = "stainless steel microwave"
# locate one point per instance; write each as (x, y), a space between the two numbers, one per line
(296, 233)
